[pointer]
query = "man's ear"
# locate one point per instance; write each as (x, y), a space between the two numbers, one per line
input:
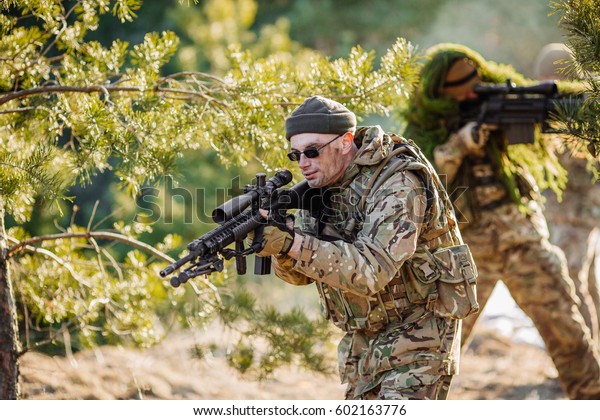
(348, 142)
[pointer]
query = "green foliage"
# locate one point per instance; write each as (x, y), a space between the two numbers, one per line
(241, 357)
(580, 19)
(259, 93)
(74, 108)
(74, 285)
(285, 337)
(22, 175)
(81, 134)
(208, 33)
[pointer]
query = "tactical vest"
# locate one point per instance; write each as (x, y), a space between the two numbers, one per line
(478, 186)
(481, 185)
(440, 276)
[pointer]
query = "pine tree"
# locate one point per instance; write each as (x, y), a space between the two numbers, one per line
(71, 108)
(580, 19)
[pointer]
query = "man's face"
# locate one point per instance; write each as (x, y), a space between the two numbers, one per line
(329, 165)
(460, 79)
(466, 94)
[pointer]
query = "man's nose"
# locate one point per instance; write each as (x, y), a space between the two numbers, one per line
(304, 162)
(471, 94)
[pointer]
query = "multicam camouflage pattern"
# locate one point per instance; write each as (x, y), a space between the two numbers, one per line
(575, 228)
(395, 345)
(415, 360)
(456, 285)
(512, 245)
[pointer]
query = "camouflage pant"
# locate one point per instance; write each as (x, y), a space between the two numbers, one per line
(513, 248)
(579, 245)
(574, 227)
(431, 387)
(404, 361)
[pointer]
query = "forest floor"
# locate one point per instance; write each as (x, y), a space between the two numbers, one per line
(494, 367)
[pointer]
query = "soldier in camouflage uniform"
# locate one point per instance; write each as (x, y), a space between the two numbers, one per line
(574, 220)
(501, 221)
(385, 254)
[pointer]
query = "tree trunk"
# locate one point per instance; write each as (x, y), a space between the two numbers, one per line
(9, 334)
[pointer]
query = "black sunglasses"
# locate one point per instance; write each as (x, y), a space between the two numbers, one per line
(311, 153)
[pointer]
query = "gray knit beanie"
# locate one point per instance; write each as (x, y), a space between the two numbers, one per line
(320, 115)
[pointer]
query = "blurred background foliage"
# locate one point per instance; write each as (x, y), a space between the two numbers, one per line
(510, 32)
(218, 37)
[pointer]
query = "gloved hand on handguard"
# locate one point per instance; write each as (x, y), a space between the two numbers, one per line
(278, 237)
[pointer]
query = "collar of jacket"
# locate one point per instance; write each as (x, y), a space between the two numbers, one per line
(373, 146)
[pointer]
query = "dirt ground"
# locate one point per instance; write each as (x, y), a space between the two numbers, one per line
(493, 367)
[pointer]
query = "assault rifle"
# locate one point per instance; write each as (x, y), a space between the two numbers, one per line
(237, 218)
(515, 110)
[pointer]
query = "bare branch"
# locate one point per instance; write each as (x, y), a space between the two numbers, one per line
(191, 73)
(93, 214)
(10, 111)
(114, 263)
(65, 325)
(40, 90)
(94, 235)
(53, 89)
(59, 260)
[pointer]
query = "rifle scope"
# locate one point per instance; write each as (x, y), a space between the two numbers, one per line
(546, 88)
(238, 204)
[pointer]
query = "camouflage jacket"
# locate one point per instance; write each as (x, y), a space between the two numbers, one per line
(478, 182)
(382, 272)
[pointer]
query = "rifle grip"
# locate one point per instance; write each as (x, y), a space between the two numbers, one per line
(240, 260)
(262, 265)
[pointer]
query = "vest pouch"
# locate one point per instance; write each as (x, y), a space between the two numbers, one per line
(457, 293)
(420, 275)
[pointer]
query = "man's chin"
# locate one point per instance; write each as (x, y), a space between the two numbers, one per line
(314, 183)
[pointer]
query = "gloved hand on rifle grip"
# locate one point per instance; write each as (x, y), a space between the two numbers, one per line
(474, 136)
(278, 236)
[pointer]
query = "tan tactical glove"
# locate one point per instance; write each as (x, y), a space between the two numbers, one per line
(474, 137)
(275, 241)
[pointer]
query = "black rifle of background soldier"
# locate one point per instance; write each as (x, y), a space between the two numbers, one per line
(515, 109)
